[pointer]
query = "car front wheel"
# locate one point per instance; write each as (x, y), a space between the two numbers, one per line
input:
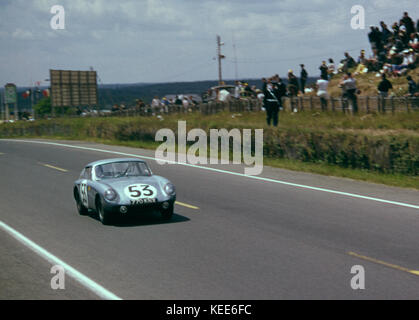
(103, 214)
(167, 214)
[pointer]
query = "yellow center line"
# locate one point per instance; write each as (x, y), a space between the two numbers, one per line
(187, 205)
(52, 167)
(389, 265)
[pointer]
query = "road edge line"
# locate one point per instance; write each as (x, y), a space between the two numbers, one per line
(72, 272)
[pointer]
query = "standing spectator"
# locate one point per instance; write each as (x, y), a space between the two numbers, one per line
(413, 88)
(372, 38)
(303, 78)
(223, 95)
(155, 104)
(348, 62)
(395, 28)
(271, 104)
(292, 89)
(324, 69)
(408, 22)
(178, 101)
(280, 90)
(383, 88)
(331, 69)
(185, 103)
(413, 92)
(375, 38)
(322, 85)
(385, 33)
(349, 91)
(237, 90)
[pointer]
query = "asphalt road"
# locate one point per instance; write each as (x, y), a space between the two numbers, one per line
(232, 237)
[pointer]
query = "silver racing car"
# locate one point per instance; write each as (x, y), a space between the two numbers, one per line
(118, 187)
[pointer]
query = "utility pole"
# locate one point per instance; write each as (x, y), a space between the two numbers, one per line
(219, 58)
(236, 72)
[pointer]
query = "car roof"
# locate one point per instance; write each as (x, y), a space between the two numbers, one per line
(106, 161)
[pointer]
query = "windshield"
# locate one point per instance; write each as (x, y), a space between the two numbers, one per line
(122, 169)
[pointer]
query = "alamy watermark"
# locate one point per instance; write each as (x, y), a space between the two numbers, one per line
(245, 147)
(358, 20)
(57, 22)
(358, 280)
(58, 280)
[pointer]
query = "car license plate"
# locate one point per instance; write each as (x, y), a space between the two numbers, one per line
(143, 201)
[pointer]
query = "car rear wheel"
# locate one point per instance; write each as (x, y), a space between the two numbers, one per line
(80, 207)
(167, 214)
(103, 214)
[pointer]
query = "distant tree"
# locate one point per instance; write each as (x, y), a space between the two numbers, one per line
(43, 107)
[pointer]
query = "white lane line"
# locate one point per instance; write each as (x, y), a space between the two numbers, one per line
(78, 276)
(352, 195)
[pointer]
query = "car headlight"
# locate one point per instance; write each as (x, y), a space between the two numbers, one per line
(169, 189)
(110, 194)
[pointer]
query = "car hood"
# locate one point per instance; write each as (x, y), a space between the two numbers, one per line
(120, 184)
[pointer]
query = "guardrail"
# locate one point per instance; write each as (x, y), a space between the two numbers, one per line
(366, 104)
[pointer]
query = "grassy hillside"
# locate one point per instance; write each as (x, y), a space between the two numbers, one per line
(368, 83)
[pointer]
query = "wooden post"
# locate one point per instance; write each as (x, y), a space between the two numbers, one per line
(392, 105)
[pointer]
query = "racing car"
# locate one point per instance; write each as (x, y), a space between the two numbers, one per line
(120, 187)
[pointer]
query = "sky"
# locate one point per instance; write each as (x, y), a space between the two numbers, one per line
(131, 41)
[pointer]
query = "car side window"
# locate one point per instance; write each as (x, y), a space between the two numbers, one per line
(83, 172)
(88, 173)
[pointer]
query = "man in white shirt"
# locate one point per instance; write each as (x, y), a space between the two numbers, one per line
(322, 85)
(223, 95)
(349, 91)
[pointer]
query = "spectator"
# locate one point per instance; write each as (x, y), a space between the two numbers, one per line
(178, 101)
(395, 28)
(413, 87)
(324, 69)
(372, 38)
(348, 85)
(155, 104)
(223, 95)
(322, 85)
(413, 91)
(362, 63)
(292, 89)
(385, 33)
(414, 41)
(348, 62)
(185, 103)
(292, 84)
(303, 78)
(331, 68)
(271, 104)
(237, 90)
(408, 22)
(280, 90)
(383, 88)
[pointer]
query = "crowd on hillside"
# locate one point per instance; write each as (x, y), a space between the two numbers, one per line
(395, 51)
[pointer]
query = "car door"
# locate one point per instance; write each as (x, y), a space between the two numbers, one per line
(85, 187)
